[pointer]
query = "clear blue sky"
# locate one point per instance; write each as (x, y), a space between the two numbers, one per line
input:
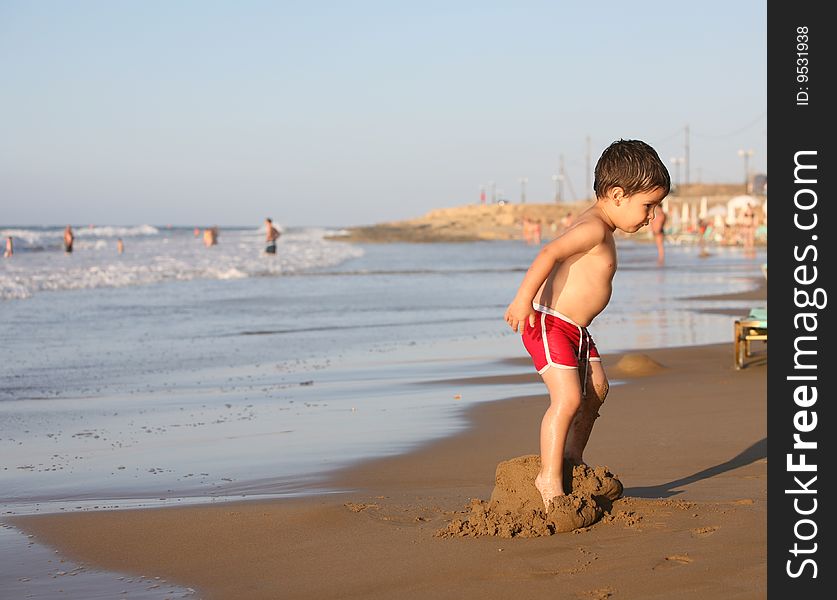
(356, 112)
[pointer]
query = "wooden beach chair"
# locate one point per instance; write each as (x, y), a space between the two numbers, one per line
(752, 328)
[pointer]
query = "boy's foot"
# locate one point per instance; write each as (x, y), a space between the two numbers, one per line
(548, 490)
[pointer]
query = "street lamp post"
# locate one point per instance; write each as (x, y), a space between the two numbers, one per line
(746, 154)
(523, 182)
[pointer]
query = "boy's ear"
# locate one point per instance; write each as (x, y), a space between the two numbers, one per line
(617, 194)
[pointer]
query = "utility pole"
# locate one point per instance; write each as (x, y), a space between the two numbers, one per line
(746, 154)
(555, 180)
(523, 182)
(677, 161)
(686, 155)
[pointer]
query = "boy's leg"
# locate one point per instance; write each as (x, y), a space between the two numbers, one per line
(564, 400)
(582, 425)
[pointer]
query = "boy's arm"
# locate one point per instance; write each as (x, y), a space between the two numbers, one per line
(578, 240)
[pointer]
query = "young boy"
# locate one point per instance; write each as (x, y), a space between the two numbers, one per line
(566, 286)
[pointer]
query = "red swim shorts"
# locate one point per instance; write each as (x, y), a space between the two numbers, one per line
(556, 341)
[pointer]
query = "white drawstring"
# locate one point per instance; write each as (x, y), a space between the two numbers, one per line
(581, 332)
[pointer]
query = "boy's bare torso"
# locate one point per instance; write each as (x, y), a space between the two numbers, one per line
(580, 286)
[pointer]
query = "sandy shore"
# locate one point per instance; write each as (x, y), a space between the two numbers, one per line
(475, 222)
(688, 441)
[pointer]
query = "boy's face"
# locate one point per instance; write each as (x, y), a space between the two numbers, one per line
(636, 211)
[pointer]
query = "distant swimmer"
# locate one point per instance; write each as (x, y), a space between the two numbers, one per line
(210, 236)
(271, 235)
(69, 238)
(10, 247)
(537, 231)
(120, 247)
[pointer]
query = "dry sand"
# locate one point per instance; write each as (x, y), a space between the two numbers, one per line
(685, 434)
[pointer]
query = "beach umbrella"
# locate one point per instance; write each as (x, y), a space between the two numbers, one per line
(684, 213)
(741, 202)
(704, 207)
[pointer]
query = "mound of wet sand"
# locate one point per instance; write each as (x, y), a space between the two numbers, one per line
(515, 508)
(638, 365)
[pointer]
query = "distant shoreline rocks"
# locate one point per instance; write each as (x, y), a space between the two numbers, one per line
(470, 223)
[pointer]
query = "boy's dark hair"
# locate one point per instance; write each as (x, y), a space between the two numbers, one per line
(631, 165)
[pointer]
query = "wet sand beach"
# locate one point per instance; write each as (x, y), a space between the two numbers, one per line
(687, 439)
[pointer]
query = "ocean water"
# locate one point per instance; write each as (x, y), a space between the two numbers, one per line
(178, 373)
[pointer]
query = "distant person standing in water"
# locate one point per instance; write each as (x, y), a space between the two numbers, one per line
(10, 247)
(120, 247)
(748, 229)
(210, 236)
(69, 238)
(657, 226)
(271, 235)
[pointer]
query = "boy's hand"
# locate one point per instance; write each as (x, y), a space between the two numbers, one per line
(518, 314)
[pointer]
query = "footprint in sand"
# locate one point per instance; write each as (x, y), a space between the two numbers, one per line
(704, 531)
(674, 560)
(599, 594)
(360, 506)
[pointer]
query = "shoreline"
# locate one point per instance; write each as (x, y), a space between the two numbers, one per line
(378, 539)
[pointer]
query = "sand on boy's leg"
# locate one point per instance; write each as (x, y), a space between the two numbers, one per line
(564, 401)
(582, 425)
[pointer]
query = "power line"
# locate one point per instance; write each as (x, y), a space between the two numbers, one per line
(737, 131)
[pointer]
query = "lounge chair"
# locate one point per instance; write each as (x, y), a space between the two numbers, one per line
(752, 328)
